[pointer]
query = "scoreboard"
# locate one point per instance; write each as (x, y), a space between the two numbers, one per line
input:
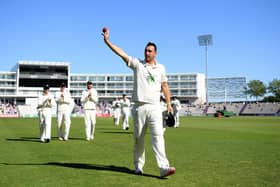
(32, 74)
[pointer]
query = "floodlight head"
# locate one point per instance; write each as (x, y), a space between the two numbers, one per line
(205, 40)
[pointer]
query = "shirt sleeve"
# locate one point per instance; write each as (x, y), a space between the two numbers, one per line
(84, 97)
(52, 101)
(40, 102)
(163, 74)
(57, 97)
(94, 97)
(133, 62)
(67, 98)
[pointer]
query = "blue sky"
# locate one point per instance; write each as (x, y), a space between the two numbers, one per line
(245, 34)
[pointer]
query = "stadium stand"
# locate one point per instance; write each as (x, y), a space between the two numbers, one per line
(191, 110)
(231, 107)
(23, 85)
(8, 110)
(27, 111)
(105, 109)
(263, 109)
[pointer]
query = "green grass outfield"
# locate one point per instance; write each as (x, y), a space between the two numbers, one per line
(206, 151)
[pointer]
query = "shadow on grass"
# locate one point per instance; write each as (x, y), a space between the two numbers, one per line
(24, 139)
(117, 132)
(33, 139)
(88, 166)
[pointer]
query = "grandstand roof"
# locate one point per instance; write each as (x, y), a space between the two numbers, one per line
(44, 63)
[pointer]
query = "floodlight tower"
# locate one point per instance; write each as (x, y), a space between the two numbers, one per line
(205, 40)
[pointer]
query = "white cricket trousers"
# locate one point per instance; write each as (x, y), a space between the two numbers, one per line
(45, 123)
(117, 116)
(144, 116)
(90, 121)
(126, 118)
(176, 116)
(65, 116)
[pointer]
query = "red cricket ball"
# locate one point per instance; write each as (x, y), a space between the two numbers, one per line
(105, 29)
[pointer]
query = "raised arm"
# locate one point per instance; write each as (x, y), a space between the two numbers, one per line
(113, 47)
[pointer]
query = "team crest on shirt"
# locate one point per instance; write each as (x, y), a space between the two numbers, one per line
(150, 77)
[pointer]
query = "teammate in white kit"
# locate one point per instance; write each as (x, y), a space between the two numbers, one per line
(125, 106)
(45, 103)
(176, 105)
(64, 101)
(116, 111)
(89, 100)
(149, 80)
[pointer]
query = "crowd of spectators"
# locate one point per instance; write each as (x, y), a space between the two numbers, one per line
(8, 108)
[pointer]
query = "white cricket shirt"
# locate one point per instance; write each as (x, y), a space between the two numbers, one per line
(45, 102)
(147, 81)
(63, 103)
(89, 102)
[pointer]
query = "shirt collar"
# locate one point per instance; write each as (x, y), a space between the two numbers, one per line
(150, 65)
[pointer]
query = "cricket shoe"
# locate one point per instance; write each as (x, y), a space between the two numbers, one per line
(167, 172)
(138, 172)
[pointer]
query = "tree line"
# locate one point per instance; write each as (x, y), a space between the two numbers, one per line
(257, 89)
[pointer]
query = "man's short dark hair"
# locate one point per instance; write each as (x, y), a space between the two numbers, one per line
(62, 85)
(152, 44)
(46, 87)
(89, 83)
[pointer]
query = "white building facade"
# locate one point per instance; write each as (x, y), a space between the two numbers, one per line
(188, 87)
(24, 83)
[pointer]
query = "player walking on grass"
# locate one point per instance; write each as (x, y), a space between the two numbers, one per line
(45, 103)
(89, 100)
(149, 79)
(63, 101)
(176, 105)
(116, 111)
(125, 106)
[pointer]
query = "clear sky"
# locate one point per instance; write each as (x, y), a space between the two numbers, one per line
(246, 34)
